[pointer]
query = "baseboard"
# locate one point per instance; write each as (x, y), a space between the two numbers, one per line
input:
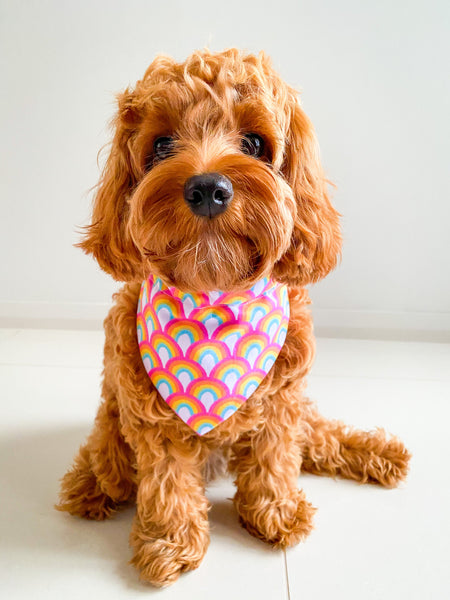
(386, 325)
(53, 315)
(366, 324)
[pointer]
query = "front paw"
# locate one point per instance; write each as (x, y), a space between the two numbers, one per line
(280, 522)
(160, 560)
(81, 494)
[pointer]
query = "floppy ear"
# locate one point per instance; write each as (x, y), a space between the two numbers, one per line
(107, 238)
(316, 238)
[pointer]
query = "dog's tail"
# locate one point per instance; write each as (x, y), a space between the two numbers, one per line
(331, 448)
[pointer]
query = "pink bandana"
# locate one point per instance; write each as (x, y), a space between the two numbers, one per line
(207, 353)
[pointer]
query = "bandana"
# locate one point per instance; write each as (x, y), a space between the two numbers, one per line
(207, 353)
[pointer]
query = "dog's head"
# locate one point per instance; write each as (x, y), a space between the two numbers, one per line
(213, 180)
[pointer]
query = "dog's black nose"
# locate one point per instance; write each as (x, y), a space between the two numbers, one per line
(209, 194)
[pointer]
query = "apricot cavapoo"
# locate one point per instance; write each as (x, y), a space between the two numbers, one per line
(213, 209)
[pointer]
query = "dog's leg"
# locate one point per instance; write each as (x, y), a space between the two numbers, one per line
(102, 477)
(265, 460)
(331, 448)
(170, 533)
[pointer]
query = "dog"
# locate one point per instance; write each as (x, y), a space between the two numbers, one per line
(213, 195)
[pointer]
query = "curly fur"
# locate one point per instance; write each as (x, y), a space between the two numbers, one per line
(280, 224)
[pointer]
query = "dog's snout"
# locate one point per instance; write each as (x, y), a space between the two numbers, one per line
(209, 194)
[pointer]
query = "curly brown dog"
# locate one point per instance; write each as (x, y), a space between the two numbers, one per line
(228, 121)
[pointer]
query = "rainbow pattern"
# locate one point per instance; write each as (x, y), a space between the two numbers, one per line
(141, 327)
(252, 345)
(231, 333)
(254, 311)
(185, 370)
(248, 383)
(166, 383)
(267, 358)
(207, 353)
(183, 403)
(185, 332)
(150, 318)
(213, 317)
(149, 356)
(225, 407)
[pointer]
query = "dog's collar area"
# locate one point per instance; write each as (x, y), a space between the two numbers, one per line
(206, 353)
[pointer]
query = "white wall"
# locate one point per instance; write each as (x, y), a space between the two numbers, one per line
(375, 82)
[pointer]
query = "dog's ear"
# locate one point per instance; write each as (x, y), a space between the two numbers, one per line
(107, 238)
(316, 238)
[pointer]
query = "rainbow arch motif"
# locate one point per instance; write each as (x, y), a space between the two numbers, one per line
(226, 407)
(281, 297)
(254, 311)
(165, 382)
(165, 346)
(267, 358)
(231, 333)
(149, 356)
(185, 332)
(230, 370)
(195, 298)
(185, 370)
(207, 353)
(141, 327)
(151, 320)
(271, 323)
(166, 307)
(252, 345)
(248, 384)
(207, 390)
(184, 405)
(280, 336)
(233, 298)
(213, 317)
(203, 423)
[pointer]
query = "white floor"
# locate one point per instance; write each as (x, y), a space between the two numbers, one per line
(368, 542)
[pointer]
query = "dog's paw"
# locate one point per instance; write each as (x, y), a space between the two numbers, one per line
(81, 496)
(388, 464)
(281, 522)
(162, 560)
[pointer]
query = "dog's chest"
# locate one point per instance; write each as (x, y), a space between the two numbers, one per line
(207, 353)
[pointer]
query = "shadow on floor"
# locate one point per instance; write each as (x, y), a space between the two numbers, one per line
(31, 465)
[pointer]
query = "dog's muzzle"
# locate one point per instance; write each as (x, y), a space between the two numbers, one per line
(209, 194)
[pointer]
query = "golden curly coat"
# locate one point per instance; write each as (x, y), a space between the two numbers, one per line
(280, 224)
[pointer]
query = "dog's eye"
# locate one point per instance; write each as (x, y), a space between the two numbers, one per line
(252, 144)
(163, 147)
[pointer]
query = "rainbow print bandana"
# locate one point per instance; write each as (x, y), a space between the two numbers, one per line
(207, 353)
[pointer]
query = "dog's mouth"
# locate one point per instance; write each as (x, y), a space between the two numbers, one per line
(208, 264)
(229, 252)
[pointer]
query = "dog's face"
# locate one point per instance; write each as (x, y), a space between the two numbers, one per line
(213, 180)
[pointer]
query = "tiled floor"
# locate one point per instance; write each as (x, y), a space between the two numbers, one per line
(368, 542)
